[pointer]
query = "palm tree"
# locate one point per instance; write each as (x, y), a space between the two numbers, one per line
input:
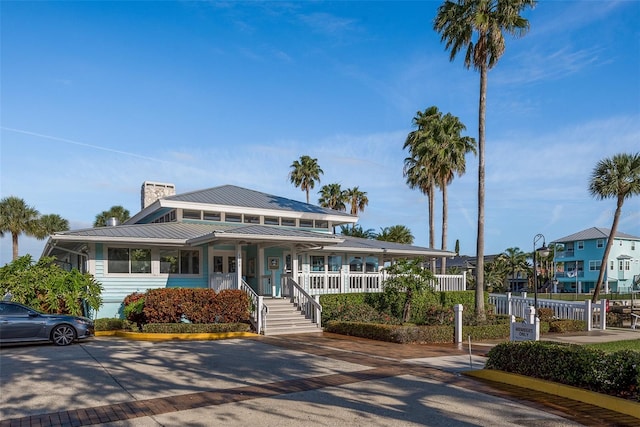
(396, 233)
(515, 262)
(305, 173)
(17, 218)
(332, 197)
(416, 167)
(448, 159)
(357, 231)
(117, 212)
(458, 22)
(357, 199)
(51, 223)
(616, 177)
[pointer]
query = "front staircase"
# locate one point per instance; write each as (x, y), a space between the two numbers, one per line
(283, 317)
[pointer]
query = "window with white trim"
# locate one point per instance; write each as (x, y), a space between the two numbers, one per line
(233, 217)
(212, 216)
(600, 243)
(580, 245)
(288, 222)
(128, 261)
(595, 265)
(189, 214)
(174, 261)
(306, 223)
(317, 263)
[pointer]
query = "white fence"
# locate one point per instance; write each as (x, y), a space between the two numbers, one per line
(593, 314)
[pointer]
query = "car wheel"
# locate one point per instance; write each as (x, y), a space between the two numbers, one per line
(63, 335)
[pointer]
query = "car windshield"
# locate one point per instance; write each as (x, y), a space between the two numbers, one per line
(15, 309)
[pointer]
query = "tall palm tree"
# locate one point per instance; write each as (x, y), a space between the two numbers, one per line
(305, 173)
(448, 159)
(417, 169)
(478, 27)
(51, 223)
(332, 197)
(118, 212)
(616, 177)
(357, 199)
(396, 233)
(17, 218)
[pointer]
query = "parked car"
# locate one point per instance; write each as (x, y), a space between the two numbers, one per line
(19, 323)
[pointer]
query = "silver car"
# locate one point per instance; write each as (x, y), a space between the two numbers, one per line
(19, 323)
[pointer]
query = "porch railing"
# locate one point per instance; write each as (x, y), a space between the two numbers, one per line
(309, 305)
(222, 281)
(258, 308)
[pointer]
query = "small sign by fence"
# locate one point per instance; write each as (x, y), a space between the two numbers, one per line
(528, 330)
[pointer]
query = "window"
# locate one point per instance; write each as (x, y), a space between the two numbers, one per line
(212, 216)
(169, 217)
(128, 260)
(620, 265)
(627, 265)
(271, 220)
(355, 263)
(335, 262)
(612, 266)
(169, 261)
(306, 223)
(187, 214)
(580, 245)
(600, 243)
(633, 246)
(594, 265)
(288, 222)
(322, 224)
(231, 264)
(299, 263)
(251, 219)
(217, 264)
(371, 265)
(189, 262)
(233, 217)
(317, 263)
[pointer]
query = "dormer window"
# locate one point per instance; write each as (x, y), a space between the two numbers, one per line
(251, 219)
(306, 223)
(212, 216)
(233, 217)
(188, 214)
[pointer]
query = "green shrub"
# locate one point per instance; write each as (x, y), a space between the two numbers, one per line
(134, 308)
(108, 324)
(393, 333)
(615, 373)
(563, 326)
(466, 298)
(334, 305)
(193, 328)
(545, 314)
(486, 332)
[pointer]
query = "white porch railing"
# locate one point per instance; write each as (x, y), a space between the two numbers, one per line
(508, 304)
(319, 283)
(258, 309)
(309, 305)
(222, 281)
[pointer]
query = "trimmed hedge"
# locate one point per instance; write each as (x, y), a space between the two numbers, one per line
(407, 333)
(616, 374)
(109, 324)
(194, 328)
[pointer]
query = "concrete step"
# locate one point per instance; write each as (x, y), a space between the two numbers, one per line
(284, 318)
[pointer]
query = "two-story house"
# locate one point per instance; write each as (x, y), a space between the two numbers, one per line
(578, 263)
(228, 237)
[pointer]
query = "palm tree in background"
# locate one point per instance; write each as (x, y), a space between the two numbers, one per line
(396, 233)
(417, 168)
(357, 199)
(447, 154)
(616, 177)
(477, 26)
(332, 197)
(16, 217)
(357, 231)
(515, 262)
(305, 173)
(118, 212)
(51, 223)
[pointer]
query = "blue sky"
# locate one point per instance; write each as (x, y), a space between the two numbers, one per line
(97, 97)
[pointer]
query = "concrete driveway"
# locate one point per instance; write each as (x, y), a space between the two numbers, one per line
(284, 381)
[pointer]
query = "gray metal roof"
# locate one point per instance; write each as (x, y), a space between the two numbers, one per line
(593, 233)
(231, 195)
(167, 230)
(377, 246)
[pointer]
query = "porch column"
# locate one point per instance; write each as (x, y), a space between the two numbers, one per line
(260, 270)
(239, 264)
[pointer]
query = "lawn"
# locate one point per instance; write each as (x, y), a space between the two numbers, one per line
(612, 346)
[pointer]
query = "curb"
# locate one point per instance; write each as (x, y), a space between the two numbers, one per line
(141, 336)
(612, 403)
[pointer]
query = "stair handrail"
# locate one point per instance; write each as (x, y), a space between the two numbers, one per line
(309, 305)
(259, 309)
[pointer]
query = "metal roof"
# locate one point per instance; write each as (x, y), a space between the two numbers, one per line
(356, 244)
(593, 233)
(231, 195)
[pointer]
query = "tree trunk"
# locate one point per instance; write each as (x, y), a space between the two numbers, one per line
(14, 241)
(445, 207)
(607, 249)
(480, 313)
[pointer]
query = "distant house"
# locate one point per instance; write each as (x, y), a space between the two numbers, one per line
(578, 263)
(228, 237)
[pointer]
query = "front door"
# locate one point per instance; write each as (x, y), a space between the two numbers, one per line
(223, 270)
